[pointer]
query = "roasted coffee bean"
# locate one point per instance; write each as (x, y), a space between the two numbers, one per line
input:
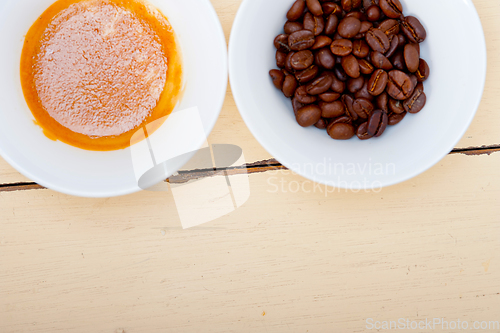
(394, 46)
(302, 60)
(289, 86)
(360, 49)
(395, 118)
(320, 85)
(398, 61)
(332, 110)
(349, 5)
(365, 26)
(354, 85)
(349, 107)
(278, 77)
(296, 11)
(365, 67)
(402, 40)
(399, 86)
(308, 115)
(303, 97)
(291, 27)
(281, 43)
(362, 132)
(314, 7)
(316, 24)
(329, 96)
(301, 40)
(288, 62)
(341, 47)
(413, 29)
(326, 58)
(382, 102)
(377, 82)
(368, 3)
(330, 7)
(396, 106)
(380, 61)
(280, 59)
(296, 105)
(389, 27)
(391, 8)
(351, 66)
(373, 13)
(307, 74)
(363, 108)
(378, 40)
(337, 36)
(423, 71)
(349, 27)
(321, 124)
(338, 85)
(363, 92)
(321, 42)
(340, 73)
(411, 57)
(414, 82)
(331, 24)
(341, 131)
(417, 101)
(377, 123)
(359, 15)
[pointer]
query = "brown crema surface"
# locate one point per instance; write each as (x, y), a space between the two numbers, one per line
(93, 71)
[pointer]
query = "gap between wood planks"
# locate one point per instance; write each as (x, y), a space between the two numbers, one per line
(257, 167)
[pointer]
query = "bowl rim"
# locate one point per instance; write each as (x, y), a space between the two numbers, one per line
(443, 152)
(208, 126)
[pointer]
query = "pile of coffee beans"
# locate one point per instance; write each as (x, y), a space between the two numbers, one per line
(351, 67)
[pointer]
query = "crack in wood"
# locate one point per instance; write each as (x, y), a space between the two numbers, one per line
(185, 176)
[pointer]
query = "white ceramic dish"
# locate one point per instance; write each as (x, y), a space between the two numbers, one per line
(104, 174)
(454, 90)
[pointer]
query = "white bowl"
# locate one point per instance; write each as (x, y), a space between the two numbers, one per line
(456, 52)
(104, 174)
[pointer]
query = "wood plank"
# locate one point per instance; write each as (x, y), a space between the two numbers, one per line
(285, 261)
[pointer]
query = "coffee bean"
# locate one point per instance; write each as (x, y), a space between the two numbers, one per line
(368, 3)
(396, 106)
(321, 124)
(390, 27)
(314, 7)
(291, 27)
(402, 40)
(281, 43)
(316, 24)
(363, 92)
(296, 106)
(382, 102)
(360, 49)
(356, 14)
(341, 131)
(280, 59)
(363, 108)
(278, 77)
(398, 61)
(301, 40)
(308, 115)
(399, 86)
(349, 107)
(362, 132)
(373, 13)
(341, 47)
(380, 61)
(378, 40)
(338, 85)
(296, 11)
(394, 46)
(411, 57)
(303, 97)
(340, 73)
(289, 86)
(391, 8)
(349, 5)
(331, 24)
(377, 82)
(413, 29)
(302, 60)
(326, 58)
(417, 101)
(365, 66)
(329, 96)
(288, 62)
(351, 66)
(320, 85)
(349, 27)
(321, 42)
(330, 7)
(423, 71)
(354, 85)
(332, 110)
(395, 118)
(307, 74)
(365, 26)
(377, 123)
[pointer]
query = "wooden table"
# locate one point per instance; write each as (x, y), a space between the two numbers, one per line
(283, 262)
